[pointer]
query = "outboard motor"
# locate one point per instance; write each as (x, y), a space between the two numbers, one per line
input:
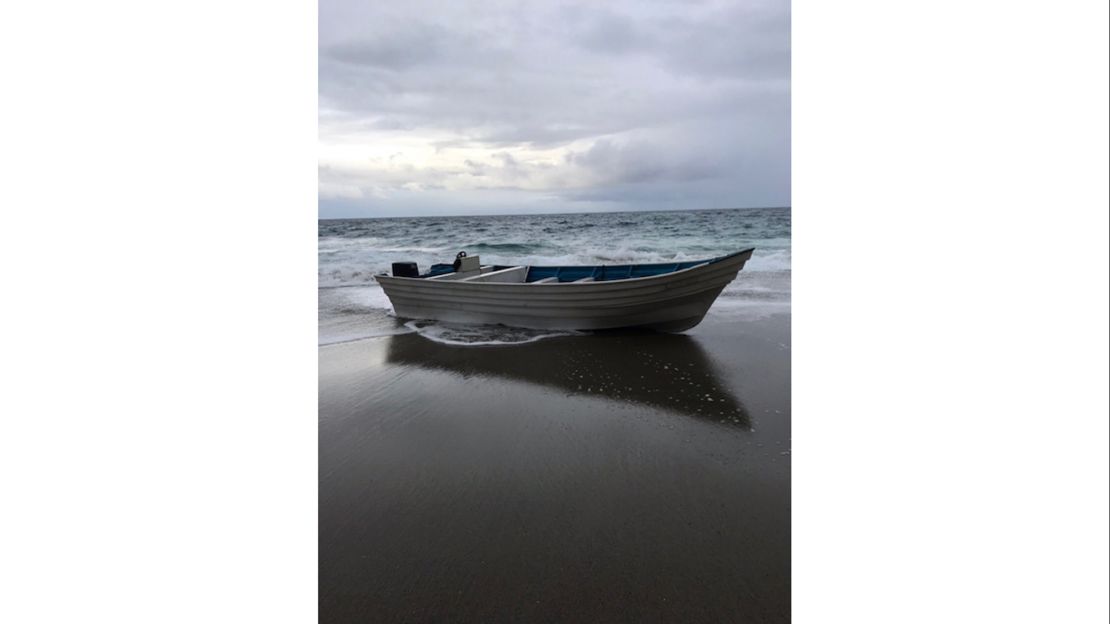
(405, 269)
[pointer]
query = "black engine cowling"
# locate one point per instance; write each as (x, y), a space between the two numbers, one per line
(405, 269)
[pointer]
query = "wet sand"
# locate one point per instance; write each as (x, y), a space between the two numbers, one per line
(617, 477)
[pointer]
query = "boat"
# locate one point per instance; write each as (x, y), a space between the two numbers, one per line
(668, 297)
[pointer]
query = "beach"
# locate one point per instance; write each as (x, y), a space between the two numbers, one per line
(607, 477)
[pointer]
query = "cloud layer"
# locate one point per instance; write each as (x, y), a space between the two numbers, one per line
(439, 108)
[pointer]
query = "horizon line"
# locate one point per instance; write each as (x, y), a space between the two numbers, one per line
(549, 214)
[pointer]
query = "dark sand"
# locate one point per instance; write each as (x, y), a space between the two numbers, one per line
(584, 478)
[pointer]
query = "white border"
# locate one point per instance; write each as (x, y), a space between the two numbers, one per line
(158, 436)
(950, 312)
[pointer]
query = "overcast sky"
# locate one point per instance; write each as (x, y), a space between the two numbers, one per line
(433, 108)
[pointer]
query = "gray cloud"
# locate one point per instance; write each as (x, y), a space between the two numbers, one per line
(640, 162)
(615, 105)
(394, 52)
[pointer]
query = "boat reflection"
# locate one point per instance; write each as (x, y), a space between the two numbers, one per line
(664, 371)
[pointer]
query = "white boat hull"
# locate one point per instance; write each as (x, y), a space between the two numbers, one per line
(670, 302)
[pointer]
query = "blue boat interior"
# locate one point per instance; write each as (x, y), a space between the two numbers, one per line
(600, 273)
(605, 273)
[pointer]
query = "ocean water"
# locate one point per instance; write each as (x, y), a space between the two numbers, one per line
(351, 251)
